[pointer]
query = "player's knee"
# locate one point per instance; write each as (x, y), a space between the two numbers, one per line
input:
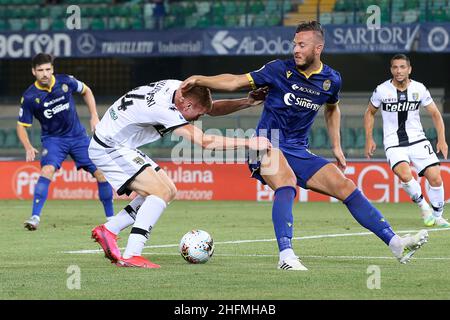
(345, 187)
(404, 177)
(166, 192)
(48, 171)
(435, 181)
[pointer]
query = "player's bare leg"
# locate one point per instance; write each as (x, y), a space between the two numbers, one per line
(436, 195)
(283, 181)
(413, 189)
(331, 181)
(40, 196)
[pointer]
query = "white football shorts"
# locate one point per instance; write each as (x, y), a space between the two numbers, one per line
(119, 165)
(421, 155)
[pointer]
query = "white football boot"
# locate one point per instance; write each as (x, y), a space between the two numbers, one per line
(32, 223)
(292, 264)
(409, 246)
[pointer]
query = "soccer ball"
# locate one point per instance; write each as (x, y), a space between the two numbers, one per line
(197, 246)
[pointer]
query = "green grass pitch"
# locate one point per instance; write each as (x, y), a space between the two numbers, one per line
(37, 265)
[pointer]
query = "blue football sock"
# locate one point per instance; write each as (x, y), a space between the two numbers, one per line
(282, 217)
(105, 194)
(40, 195)
(368, 216)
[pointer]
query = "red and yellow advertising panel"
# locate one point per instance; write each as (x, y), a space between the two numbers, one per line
(206, 182)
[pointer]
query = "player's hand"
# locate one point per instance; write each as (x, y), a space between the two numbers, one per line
(442, 147)
(94, 121)
(371, 146)
(31, 153)
(259, 144)
(189, 83)
(257, 96)
(339, 155)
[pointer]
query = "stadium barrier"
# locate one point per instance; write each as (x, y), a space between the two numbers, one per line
(202, 182)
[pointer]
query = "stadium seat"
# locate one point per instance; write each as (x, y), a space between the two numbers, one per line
(348, 138)
(360, 140)
(378, 136)
(320, 138)
(11, 139)
(2, 138)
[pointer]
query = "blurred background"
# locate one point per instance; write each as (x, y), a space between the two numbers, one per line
(114, 46)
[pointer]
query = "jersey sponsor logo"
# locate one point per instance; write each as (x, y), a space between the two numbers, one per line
(49, 103)
(291, 100)
(305, 90)
(49, 113)
(326, 85)
(401, 106)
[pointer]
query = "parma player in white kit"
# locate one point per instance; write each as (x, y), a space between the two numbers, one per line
(405, 143)
(143, 116)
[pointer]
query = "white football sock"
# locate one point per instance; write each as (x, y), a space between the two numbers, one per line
(414, 191)
(125, 217)
(396, 246)
(287, 253)
(436, 195)
(146, 218)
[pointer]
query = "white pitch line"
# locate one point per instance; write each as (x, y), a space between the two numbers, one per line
(303, 256)
(263, 240)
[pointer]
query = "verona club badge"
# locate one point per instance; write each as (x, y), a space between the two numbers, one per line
(326, 85)
(64, 87)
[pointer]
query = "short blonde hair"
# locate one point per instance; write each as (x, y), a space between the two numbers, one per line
(202, 95)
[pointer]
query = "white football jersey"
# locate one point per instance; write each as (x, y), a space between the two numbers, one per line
(141, 116)
(400, 111)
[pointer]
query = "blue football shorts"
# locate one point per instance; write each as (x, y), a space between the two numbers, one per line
(56, 149)
(303, 162)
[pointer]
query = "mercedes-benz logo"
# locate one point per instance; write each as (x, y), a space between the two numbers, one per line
(86, 43)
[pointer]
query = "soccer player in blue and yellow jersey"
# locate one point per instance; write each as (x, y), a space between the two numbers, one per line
(298, 88)
(50, 101)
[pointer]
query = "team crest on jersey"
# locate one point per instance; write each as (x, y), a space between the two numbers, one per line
(139, 161)
(64, 87)
(44, 152)
(21, 100)
(37, 100)
(326, 85)
(288, 74)
(415, 96)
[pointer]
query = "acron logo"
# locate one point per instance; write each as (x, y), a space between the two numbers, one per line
(24, 180)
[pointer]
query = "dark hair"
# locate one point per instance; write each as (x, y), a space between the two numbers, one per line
(401, 56)
(311, 26)
(202, 95)
(41, 58)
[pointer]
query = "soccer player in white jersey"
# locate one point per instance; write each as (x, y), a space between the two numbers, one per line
(404, 139)
(142, 116)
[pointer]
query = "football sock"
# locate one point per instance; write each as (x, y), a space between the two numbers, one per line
(368, 216)
(40, 195)
(146, 218)
(396, 245)
(125, 217)
(105, 194)
(436, 195)
(282, 217)
(414, 191)
(286, 253)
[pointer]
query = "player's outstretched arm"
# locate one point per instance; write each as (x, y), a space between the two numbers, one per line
(333, 120)
(89, 99)
(369, 120)
(30, 151)
(225, 82)
(209, 141)
(441, 144)
(227, 106)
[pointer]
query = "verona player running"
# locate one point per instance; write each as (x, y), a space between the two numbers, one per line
(298, 88)
(400, 99)
(50, 101)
